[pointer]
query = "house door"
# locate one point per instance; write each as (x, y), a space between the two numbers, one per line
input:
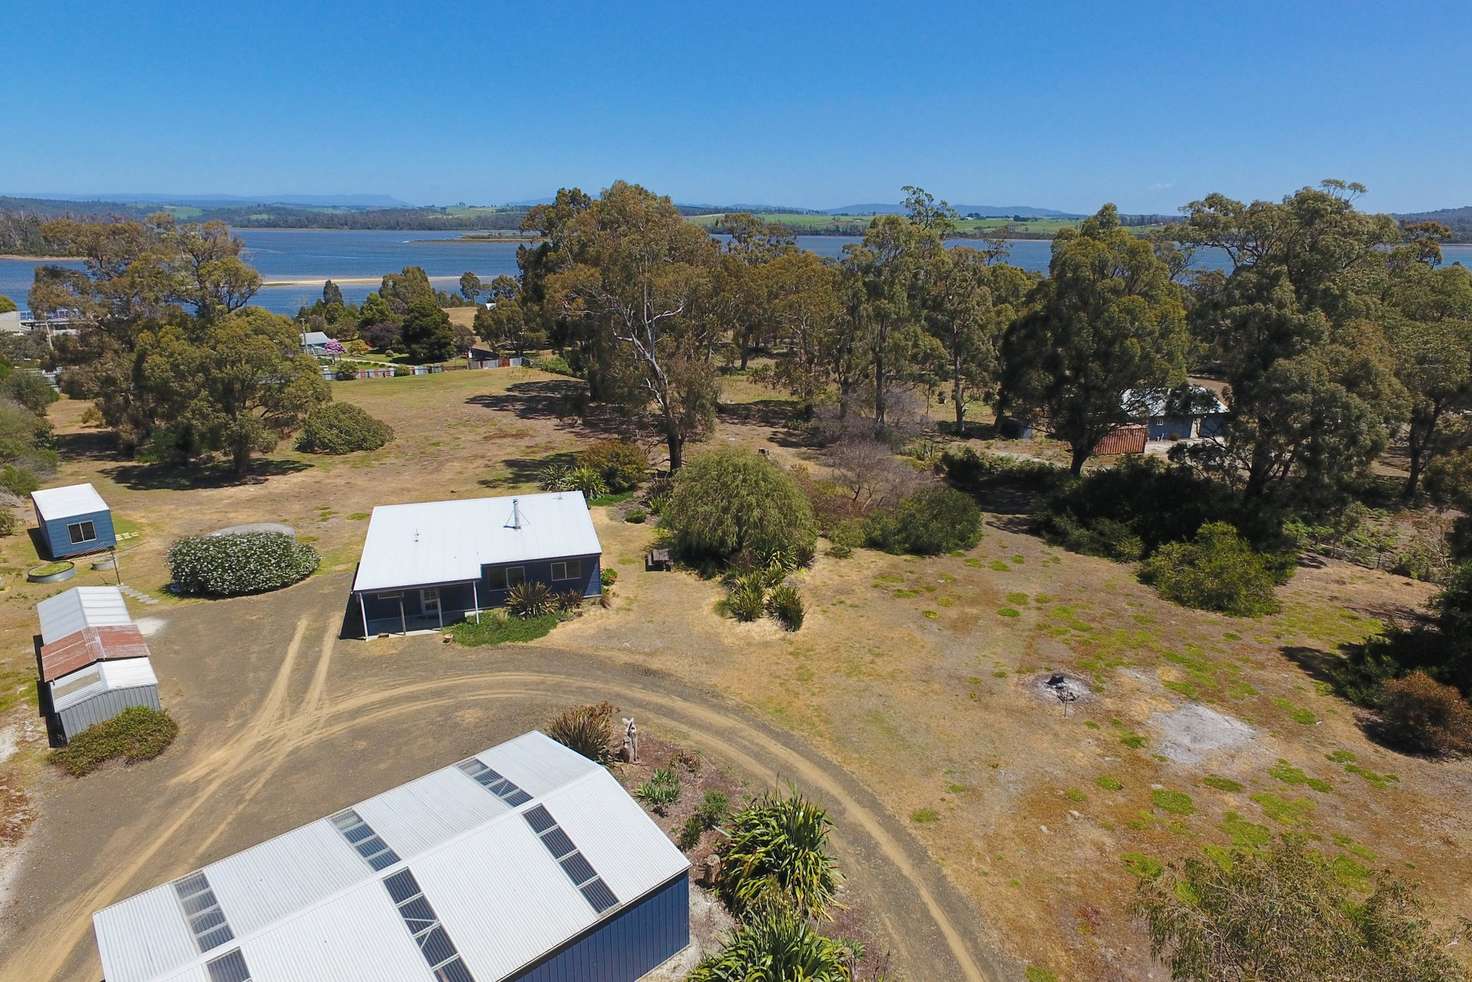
(429, 603)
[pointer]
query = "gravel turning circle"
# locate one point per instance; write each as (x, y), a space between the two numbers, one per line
(256, 527)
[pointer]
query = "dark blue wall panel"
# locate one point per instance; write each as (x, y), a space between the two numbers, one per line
(60, 544)
(625, 946)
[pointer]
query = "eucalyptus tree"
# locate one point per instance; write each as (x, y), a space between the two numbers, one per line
(815, 351)
(1106, 329)
(638, 275)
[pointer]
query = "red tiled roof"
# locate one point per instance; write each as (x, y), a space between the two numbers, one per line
(82, 648)
(1126, 439)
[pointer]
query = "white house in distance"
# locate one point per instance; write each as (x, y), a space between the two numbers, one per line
(432, 563)
(526, 861)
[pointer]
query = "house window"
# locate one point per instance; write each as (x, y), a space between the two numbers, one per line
(568, 570)
(81, 532)
(505, 577)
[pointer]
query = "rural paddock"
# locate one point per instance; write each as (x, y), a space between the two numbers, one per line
(293, 723)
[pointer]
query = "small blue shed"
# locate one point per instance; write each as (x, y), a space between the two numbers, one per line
(73, 520)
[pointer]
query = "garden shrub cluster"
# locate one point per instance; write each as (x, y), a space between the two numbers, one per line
(495, 627)
(342, 427)
(763, 589)
(776, 855)
(554, 365)
(1218, 570)
(930, 522)
(775, 944)
(569, 477)
(734, 506)
(239, 563)
(137, 733)
(587, 730)
(622, 464)
(661, 791)
(978, 471)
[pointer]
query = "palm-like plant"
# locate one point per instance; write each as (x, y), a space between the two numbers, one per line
(554, 477)
(777, 857)
(586, 480)
(529, 599)
(775, 944)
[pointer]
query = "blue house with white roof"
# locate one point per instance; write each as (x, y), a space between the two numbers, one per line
(526, 861)
(429, 564)
(73, 520)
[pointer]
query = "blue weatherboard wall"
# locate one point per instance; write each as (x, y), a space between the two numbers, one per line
(627, 945)
(59, 544)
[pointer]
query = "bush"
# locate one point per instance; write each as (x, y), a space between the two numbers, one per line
(240, 563)
(1280, 914)
(621, 463)
(775, 944)
(785, 604)
(1218, 571)
(636, 516)
(776, 854)
(733, 505)
(530, 599)
(554, 365)
(19, 481)
(8, 522)
(137, 733)
(1422, 714)
(586, 729)
(342, 427)
(609, 576)
(975, 471)
(495, 627)
(586, 480)
(660, 791)
(747, 597)
(928, 523)
(30, 389)
(569, 602)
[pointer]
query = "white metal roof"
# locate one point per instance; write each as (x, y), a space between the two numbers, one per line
(1185, 400)
(305, 906)
(79, 608)
(74, 499)
(315, 338)
(99, 677)
(449, 541)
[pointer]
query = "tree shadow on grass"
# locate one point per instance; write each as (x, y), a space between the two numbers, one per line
(1316, 663)
(527, 470)
(88, 445)
(563, 400)
(162, 477)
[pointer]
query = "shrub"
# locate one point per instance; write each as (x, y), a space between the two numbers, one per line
(240, 563)
(554, 477)
(137, 733)
(529, 599)
(713, 809)
(609, 576)
(342, 427)
(554, 365)
(747, 597)
(30, 389)
(19, 481)
(928, 523)
(1216, 571)
(569, 601)
(775, 944)
(846, 536)
(636, 516)
(777, 855)
(1422, 714)
(495, 627)
(586, 729)
(622, 463)
(732, 504)
(660, 791)
(586, 480)
(1280, 913)
(785, 604)
(8, 522)
(975, 471)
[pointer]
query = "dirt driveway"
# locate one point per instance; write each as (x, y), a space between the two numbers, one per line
(282, 723)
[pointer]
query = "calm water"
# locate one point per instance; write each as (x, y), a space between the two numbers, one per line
(348, 254)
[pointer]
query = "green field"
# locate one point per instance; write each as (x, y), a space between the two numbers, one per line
(813, 224)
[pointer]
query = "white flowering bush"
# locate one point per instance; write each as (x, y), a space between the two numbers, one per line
(239, 563)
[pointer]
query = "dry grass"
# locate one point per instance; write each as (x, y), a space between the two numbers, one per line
(907, 672)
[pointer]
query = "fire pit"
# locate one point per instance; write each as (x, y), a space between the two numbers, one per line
(1061, 688)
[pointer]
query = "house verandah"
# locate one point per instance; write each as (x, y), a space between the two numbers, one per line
(432, 607)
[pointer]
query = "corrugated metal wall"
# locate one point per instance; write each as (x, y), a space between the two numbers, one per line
(626, 946)
(60, 544)
(101, 708)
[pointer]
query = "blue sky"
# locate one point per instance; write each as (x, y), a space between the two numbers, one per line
(1056, 105)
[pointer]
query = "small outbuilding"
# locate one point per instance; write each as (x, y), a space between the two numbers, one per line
(1186, 412)
(526, 861)
(100, 691)
(429, 564)
(73, 520)
(319, 344)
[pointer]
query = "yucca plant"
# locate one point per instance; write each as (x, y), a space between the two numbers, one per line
(785, 604)
(777, 855)
(660, 791)
(586, 480)
(530, 599)
(747, 598)
(775, 944)
(554, 477)
(585, 729)
(568, 601)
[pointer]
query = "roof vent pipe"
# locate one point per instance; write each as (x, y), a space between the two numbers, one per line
(515, 514)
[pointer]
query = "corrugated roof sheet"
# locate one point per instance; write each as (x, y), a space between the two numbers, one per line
(306, 907)
(74, 499)
(449, 541)
(1126, 439)
(1183, 400)
(79, 608)
(100, 677)
(82, 648)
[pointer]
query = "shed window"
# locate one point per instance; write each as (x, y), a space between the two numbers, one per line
(569, 570)
(82, 532)
(505, 577)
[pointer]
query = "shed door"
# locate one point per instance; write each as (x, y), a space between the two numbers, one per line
(429, 601)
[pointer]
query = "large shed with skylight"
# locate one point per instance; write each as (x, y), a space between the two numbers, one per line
(526, 861)
(429, 564)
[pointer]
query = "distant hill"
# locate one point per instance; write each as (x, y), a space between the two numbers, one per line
(1459, 220)
(985, 211)
(231, 200)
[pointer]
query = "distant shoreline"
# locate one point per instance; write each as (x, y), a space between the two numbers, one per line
(299, 281)
(21, 257)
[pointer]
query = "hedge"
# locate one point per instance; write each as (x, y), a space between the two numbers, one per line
(341, 427)
(137, 733)
(239, 563)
